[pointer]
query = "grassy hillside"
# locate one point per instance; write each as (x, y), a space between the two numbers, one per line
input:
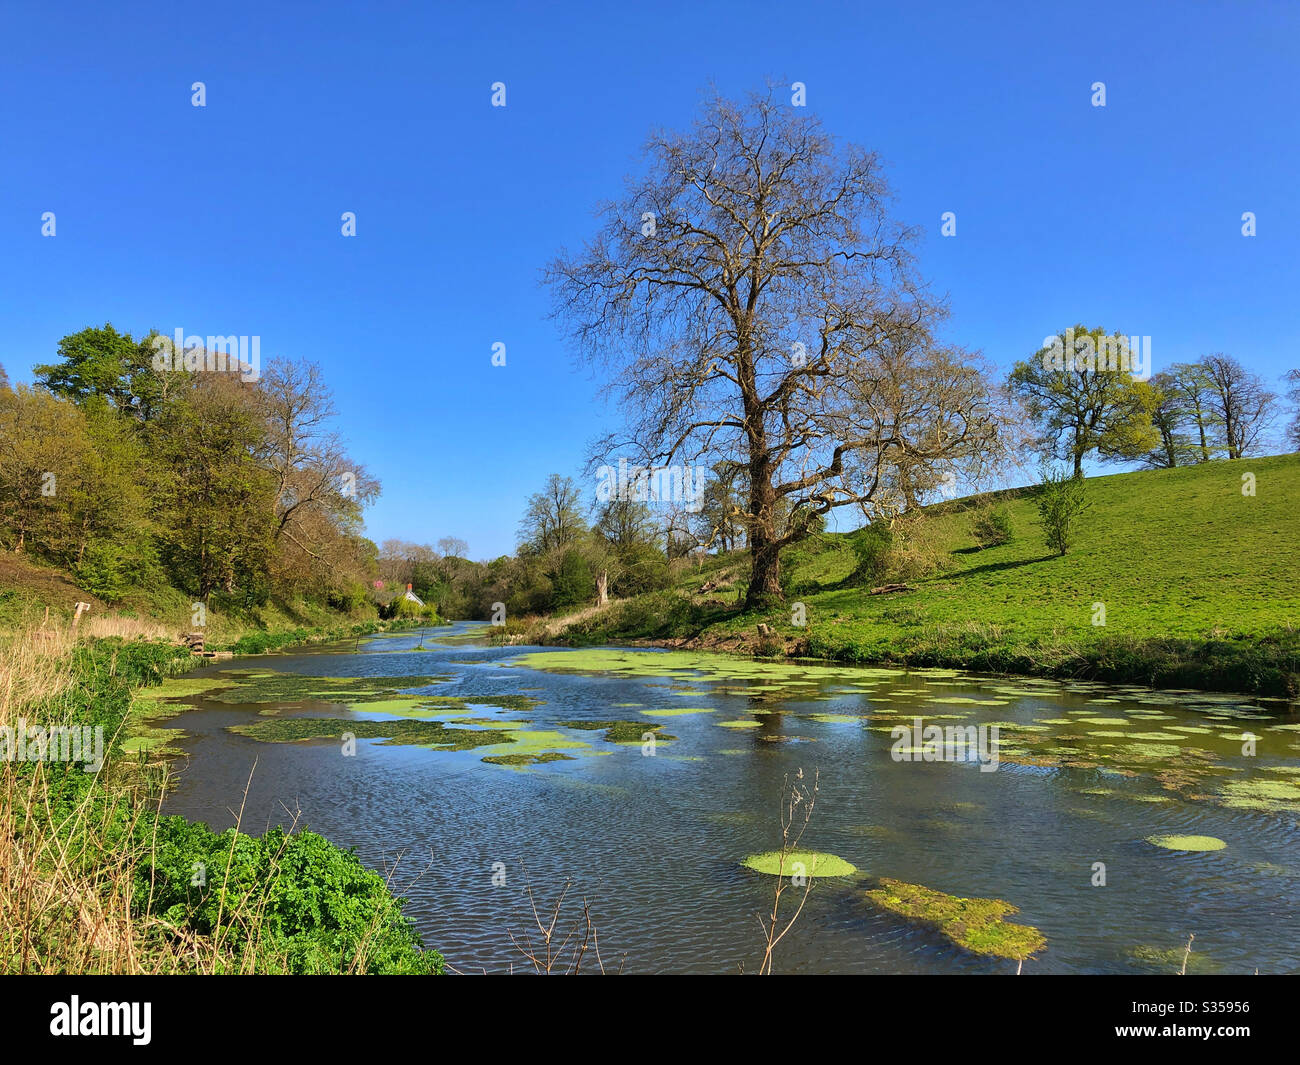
(27, 588)
(1200, 584)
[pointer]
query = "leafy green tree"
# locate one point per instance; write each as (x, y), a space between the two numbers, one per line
(1170, 417)
(1061, 499)
(1080, 404)
(216, 500)
(45, 454)
(101, 362)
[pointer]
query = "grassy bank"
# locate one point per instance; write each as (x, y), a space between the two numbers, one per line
(93, 880)
(1198, 586)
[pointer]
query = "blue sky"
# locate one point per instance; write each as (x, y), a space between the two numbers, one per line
(225, 219)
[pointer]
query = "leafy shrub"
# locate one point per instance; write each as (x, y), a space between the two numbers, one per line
(315, 908)
(992, 527)
(872, 548)
(1061, 500)
(574, 581)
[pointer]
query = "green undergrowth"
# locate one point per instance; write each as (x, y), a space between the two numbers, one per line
(277, 903)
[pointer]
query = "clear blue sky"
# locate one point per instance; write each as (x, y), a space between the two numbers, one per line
(225, 219)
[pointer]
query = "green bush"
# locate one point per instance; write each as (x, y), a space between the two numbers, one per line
(1061, 500)
(872, 550)
(993, 527)
(574, 581)
(315, 907)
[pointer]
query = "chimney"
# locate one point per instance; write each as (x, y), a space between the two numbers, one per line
(408, 586)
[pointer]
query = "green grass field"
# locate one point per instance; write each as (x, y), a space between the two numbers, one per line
(1200, 586)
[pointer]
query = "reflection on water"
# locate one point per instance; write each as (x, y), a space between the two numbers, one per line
(1088, 773)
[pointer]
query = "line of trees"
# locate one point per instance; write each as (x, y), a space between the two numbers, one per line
(1213, 408)
(226, 489)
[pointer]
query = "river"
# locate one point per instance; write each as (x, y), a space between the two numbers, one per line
(1089, 774)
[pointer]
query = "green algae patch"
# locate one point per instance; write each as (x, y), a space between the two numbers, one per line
(684, 712)
(402, 732)
(1269, 796)
(739, 724)
(631, 732)
(535, 743)
(975, 925)
(807, 863)
(174, 696)
(1187, 843)
(527, 759)
(685, 666)
(295, 687)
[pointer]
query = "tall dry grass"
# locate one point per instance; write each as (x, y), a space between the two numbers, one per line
(71, 873)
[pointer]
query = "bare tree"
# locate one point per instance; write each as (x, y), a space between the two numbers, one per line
(755, 303)
(1293, 394)
(1241, 403)
(553, 517)
(453, 547)
(313, 476)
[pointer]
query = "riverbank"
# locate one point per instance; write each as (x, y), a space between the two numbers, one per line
(1177, 580)
(92, 880)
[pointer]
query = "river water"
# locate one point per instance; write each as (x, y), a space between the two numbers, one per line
(654, 842)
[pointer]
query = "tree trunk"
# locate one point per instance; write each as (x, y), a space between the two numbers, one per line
(765, 581)
(602, 587)
(765, 555)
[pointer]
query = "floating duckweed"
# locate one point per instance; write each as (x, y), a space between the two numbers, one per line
(620, 731)
(1187, 843)
(809, 863)
(405, 732)
(1270, 796)
(527, 759)
(974, 925)
(678, 713)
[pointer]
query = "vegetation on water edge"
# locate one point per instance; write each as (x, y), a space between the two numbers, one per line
(1175, 580)
(93, 880)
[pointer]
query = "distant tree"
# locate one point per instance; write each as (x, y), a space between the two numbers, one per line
(553, 517)
(4, 380)
(1293, 394)
(625, 523)
(319, 491)
(1061, 499)
(452, 547)
(1189, 382)
(1084, 405)
(720, 523)
(1169, 416)
(1242, 406)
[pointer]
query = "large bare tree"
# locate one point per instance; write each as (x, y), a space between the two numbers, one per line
(752, 301)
